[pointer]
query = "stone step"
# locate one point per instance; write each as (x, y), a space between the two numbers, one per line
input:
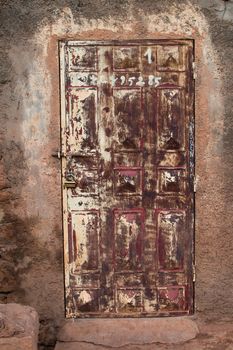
(101, 334)
(19, 327)
(79, 346)
(85, 346)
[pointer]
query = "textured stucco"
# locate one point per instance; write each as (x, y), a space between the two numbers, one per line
(30, 190)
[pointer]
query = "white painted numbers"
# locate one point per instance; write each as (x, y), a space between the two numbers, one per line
(154, 81)
(141, 81)
(148, 54)
(86, 79)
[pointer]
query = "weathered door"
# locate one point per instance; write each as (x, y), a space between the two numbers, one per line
(127, 170)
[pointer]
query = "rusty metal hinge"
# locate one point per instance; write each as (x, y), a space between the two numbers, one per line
(195, 182)
(194, 70)
(194, 273)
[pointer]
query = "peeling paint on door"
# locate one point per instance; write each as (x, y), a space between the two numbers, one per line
(127, 175)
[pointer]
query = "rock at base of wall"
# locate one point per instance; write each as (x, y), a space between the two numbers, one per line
(19, 327)
(106, 333)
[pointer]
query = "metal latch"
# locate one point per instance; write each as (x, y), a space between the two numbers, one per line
(58, 154)
(70, 181)
(69, 184)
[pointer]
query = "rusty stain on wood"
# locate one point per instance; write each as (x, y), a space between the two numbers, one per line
(127, 148)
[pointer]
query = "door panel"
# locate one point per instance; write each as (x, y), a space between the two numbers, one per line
(127, 173)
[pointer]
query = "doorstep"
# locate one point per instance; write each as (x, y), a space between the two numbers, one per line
(85, 334)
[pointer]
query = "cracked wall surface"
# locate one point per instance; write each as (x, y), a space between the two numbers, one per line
(30, 192)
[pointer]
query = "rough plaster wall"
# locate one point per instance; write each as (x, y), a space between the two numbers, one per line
(30, 194)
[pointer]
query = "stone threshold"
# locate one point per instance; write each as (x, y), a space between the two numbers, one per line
(118, 333)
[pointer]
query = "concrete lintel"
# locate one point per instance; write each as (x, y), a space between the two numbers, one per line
(120, 332)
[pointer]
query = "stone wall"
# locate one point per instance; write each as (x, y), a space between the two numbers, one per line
(30, 184)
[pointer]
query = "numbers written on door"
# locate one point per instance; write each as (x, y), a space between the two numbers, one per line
(127, 175)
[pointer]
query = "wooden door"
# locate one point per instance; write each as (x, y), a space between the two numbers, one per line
(127, 174)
